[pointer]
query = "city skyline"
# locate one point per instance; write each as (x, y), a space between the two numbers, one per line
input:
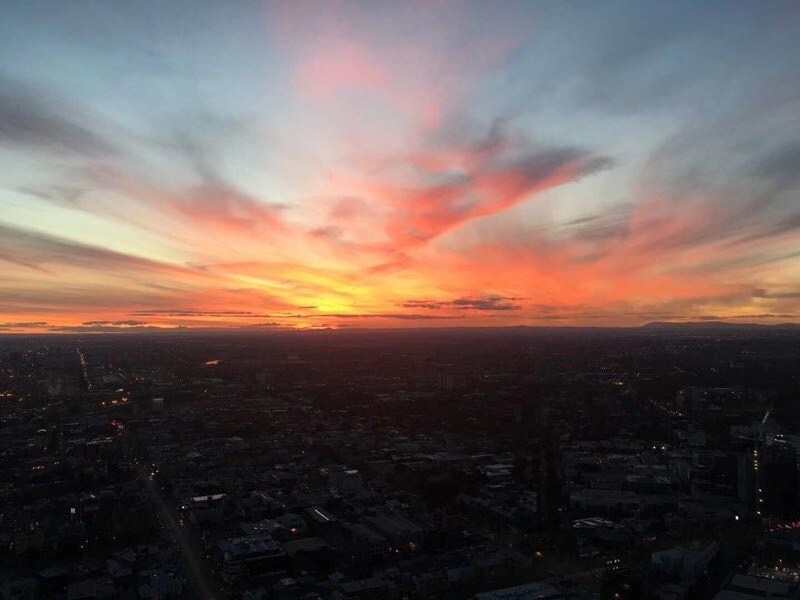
(305, 165)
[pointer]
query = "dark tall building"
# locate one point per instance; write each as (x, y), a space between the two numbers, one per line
(746, 461)
(777, 479)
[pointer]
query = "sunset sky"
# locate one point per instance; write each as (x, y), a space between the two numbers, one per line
(397, 164)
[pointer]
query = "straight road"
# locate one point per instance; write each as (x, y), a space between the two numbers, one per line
(203, 580)
(195, 560)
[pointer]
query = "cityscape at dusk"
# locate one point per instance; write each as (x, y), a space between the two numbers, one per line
(399, 300)
(285, 165)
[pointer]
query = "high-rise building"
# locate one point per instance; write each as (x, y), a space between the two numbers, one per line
(777, 480)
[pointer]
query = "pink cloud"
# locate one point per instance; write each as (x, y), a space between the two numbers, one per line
(343, 66)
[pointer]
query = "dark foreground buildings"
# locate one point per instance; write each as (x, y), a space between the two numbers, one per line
(527, 464)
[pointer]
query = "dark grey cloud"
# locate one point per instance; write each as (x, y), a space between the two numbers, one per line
(732, 172)
(69, 297)
(768, 231)
(780, 166)
(488, 303)
(592, 237)
(624, 58)
(122, 323)
(179, 312)
(503, 148)
(762, 293)
(29, 119)
(102, 328)
(56, 193)
(542, 163)
(41, 251)
(401, 316)
(35, 120)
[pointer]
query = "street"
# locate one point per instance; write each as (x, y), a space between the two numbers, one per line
(203, 581)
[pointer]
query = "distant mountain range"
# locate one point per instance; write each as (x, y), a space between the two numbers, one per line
(725, 325)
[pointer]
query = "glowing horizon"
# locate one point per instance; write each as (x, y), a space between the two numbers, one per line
(280, 165)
